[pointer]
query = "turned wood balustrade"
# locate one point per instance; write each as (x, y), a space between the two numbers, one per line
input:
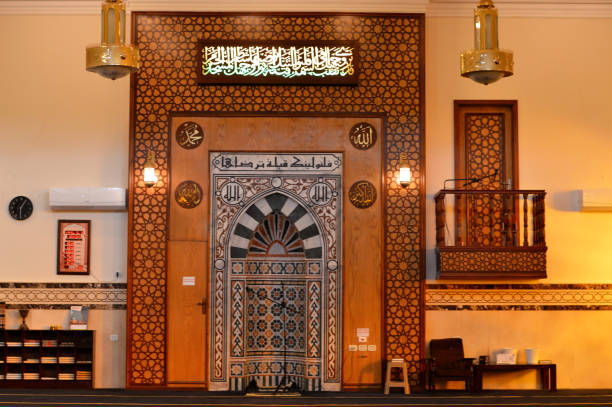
(496, 233)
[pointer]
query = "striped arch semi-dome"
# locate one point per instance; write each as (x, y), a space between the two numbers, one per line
(250, 219)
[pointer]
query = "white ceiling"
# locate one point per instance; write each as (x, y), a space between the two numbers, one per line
(434, 8)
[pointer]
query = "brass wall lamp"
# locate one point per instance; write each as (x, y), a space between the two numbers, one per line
(149, 177)
(404, 175)
(112, 58)
(486, 63)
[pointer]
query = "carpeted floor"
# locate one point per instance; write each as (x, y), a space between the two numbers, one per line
(162, 398)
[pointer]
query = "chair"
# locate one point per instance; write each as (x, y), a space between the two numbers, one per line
(448, 362)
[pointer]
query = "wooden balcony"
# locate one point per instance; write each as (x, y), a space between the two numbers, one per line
(490, 233)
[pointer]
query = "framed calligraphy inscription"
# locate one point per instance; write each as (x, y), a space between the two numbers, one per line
(188, 194)
(189, 135)
(279, 62)
(362, 194)
(362, 136)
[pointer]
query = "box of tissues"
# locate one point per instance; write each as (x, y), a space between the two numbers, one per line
(506, 357)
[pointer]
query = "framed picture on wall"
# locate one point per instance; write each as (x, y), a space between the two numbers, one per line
(73, 243)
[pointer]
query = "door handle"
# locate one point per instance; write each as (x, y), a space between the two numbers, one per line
(203, 304)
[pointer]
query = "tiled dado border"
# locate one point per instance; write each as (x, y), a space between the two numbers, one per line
(518, 297)
(105, 296)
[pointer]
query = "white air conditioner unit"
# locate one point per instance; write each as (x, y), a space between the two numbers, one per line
(88, 198)
(596, 200)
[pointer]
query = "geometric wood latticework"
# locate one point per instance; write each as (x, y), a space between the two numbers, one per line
(390, 83)
(485, 150)
(458, 262)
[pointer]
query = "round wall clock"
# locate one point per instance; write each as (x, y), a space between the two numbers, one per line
(20, 207)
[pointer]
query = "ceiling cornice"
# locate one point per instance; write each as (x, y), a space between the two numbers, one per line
(602, 9)
(432, 8)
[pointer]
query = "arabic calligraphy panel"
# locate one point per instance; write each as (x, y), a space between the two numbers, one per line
(188, 194)
(279, 62)
(362, 194)
(362, 136)
(189, 135)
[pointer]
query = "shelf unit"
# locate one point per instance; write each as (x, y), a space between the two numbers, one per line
(41, 358)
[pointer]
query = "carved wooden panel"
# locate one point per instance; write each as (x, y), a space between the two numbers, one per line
(390, 82)
(456, 262)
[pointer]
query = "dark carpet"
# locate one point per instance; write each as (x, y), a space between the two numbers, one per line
(163, 398)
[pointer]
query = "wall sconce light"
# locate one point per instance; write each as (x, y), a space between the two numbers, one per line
(486, 63)
(149, 176)
(112, 58)
(404, 175)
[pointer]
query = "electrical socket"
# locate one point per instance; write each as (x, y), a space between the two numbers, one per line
(114, 337)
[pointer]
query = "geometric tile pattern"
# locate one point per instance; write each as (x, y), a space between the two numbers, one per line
(269, 326)
(390, 81)
(63, 295)
(585, 297)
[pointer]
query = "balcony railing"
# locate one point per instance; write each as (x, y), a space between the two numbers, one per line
(491, 233)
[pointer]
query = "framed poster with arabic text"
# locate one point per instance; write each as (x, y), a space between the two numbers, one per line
(73, 244)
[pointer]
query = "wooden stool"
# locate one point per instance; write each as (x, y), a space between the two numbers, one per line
(397, 363)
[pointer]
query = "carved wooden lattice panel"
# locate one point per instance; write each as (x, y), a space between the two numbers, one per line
(484, 156)
(485, 150)
(391, 82)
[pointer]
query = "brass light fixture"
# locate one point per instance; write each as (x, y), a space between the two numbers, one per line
(404, 175)
(112, 58)
(149, 176)
(486, 63)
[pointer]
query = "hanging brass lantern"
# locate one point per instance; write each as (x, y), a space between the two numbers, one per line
(112, 58)
(486, 63)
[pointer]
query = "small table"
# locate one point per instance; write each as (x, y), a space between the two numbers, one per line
(548, 373)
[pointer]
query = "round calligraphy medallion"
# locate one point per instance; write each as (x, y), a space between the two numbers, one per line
(189, 135)
(320, 193)
(362, 194)
(232, 193)
(188, 194)
(362, 136)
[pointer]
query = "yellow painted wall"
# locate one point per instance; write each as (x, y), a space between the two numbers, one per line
(562, 83)
(577, 341)
(61, 126)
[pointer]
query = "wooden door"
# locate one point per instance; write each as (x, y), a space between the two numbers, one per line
(187, 270)
(486, 156)
(187, 305)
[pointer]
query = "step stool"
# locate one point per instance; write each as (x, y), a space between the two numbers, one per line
(401, 364)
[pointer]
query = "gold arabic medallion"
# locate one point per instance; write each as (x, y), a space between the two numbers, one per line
(189, 135)
(362, 194)
(362, 136)
(188, 194)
